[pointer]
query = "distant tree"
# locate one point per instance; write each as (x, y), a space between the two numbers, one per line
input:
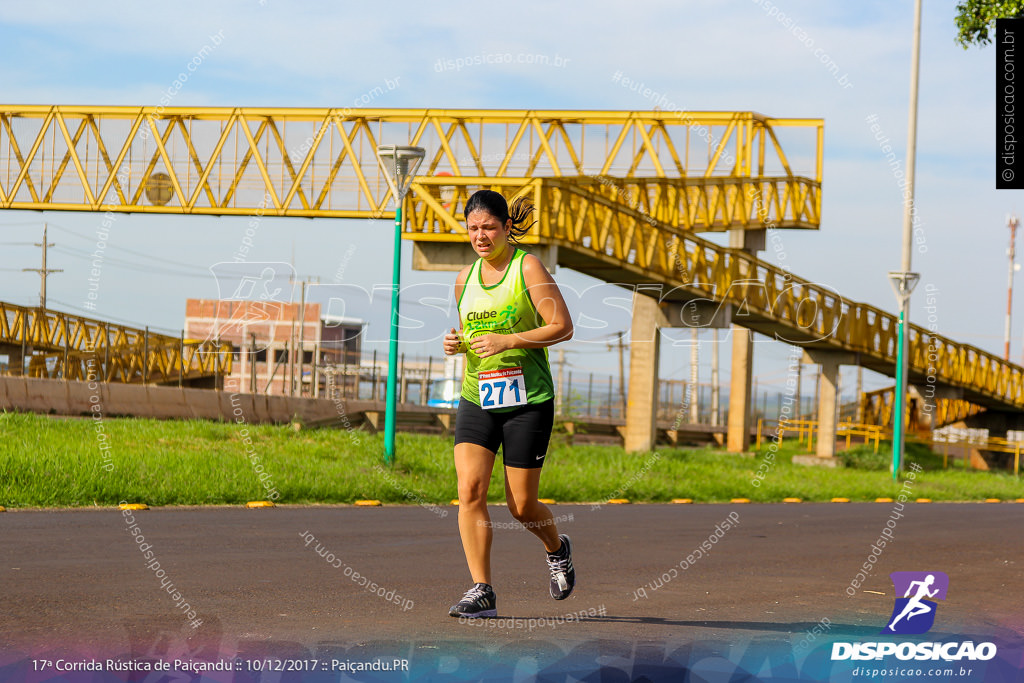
(975, 19)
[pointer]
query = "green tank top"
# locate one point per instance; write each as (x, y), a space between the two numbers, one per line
(503, 308)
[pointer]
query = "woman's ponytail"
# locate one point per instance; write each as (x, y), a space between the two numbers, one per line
(494, 203)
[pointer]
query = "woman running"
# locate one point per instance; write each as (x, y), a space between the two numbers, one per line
(510, 309)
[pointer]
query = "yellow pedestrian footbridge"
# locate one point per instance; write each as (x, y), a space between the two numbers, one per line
(622, 195)
(62, 345)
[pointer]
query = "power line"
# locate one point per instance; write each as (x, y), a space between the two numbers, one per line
(122, 321)
(199, 271)
(127, 265)
(203, 273)
(129, 251)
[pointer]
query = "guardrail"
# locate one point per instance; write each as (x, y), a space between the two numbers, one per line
(807, 430)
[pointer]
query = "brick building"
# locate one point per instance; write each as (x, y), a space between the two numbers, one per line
(279, 346)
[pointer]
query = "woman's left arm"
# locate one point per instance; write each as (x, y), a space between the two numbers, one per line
(550, 305)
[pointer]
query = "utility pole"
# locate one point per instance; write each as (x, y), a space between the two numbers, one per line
(561, 381)
(622, 372)
(44, 271)
(799, 386)
(860, 394)
(714, 378)
(817, 388)
(694, 377)
(252, 362)
(302, 334)
(1011, 223)
(753, 401)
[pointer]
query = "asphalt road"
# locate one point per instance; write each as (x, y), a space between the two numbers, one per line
(77, 581)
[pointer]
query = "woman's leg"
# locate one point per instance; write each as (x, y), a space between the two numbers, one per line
(521, 488)
(521, 485)
(473, 464)
(526, 436)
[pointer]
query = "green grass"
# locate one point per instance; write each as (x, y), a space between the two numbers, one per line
(46, 462)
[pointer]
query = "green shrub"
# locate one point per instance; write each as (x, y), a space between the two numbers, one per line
(863, 457)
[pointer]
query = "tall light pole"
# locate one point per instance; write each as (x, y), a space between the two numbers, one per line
(1011, 223)
(904, 280)
(399, 165)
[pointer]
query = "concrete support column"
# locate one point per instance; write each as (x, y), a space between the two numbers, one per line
(830, 362)
(642, 401)
(16, 355)
(737, 439)
(826, 446)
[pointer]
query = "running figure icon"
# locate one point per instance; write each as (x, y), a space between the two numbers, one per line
(915, 606)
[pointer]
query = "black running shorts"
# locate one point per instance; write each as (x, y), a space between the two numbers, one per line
(523, 433)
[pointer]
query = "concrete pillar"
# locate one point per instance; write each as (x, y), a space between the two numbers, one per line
(830, 362)
(737, 439)
(642, 401)
(826, 446)
(750, 241)
(18, 358)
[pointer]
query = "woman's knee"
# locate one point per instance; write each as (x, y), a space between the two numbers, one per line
(521, 510)
(473, 492)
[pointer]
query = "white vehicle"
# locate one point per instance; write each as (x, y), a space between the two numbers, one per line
(445, 392)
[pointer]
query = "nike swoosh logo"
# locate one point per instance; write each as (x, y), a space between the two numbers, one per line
(541, 457)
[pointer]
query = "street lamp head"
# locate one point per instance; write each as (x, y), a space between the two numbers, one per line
(903, 284)
(399, 164)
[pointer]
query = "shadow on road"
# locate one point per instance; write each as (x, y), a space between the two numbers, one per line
(780, 627)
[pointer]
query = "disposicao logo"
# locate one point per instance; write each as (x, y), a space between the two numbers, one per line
(912, 614)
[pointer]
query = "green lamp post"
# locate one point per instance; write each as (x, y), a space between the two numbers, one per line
(399, 164)
(903, 284)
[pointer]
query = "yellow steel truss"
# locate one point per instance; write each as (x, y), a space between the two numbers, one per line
(320, 162)
(618, 242)
(698, 204)
(74, 347)
(877, 407)
(620, 192)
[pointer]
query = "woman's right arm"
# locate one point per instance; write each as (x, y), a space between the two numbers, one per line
(460, 284)
(453, 344)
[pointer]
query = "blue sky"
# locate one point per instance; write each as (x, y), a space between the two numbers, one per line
(726, 55)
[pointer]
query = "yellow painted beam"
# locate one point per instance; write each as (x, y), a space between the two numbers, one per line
(75, 347)
(319, 162)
